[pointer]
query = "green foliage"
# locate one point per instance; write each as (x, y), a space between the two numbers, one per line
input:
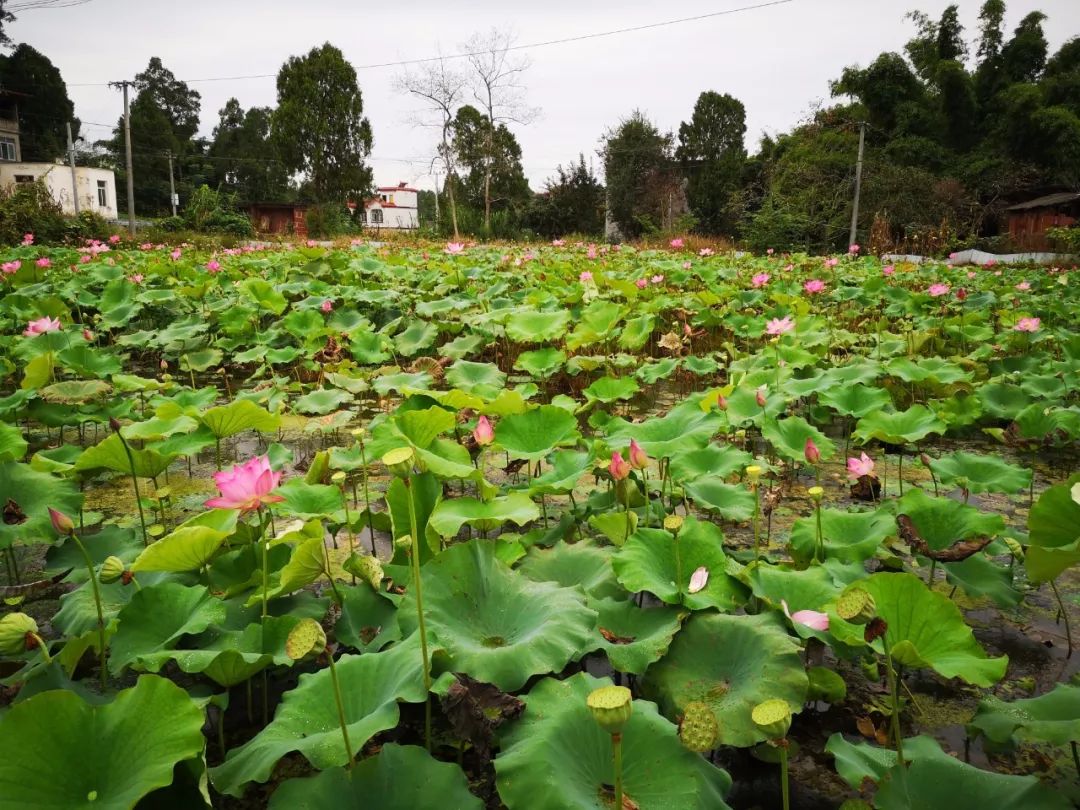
(638, 170)
(44, 107)
(712, 154)
(30, 208)
(245, 159)
(572, 202)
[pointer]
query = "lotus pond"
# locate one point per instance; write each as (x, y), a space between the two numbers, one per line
(536, 528)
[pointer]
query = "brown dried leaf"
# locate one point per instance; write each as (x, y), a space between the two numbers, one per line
(611, 638)
(475, 709)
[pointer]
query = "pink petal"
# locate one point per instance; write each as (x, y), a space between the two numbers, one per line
(698, 580)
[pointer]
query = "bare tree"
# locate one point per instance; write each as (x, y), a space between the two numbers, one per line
(441, 89)
(496, 83)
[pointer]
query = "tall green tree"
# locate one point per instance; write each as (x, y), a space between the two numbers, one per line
(639, 174)
(1024, 56)
(5, 18)
(244, 160)
(319, 126)
(159, 87)
(489, 162)
(712, 154)
(572, 202)
(45, 110)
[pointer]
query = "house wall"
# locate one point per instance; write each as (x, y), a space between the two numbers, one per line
(1027, 229)
(394, 217)
(57, 178)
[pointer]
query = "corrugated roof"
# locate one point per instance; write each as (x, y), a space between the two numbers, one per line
(1048, 201)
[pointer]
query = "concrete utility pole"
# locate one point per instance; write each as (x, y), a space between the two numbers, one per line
(172, 186)
(124, 85)
(74, 178)
(436, 203)
(858, 186)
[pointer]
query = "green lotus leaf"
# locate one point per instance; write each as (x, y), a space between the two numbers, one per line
(158, 428)
(942, 522)
(637, 331)
(848, 536)
(1051, 718)
(238, 416)
(855, 400)
(647, 563)
(109, 454)
(598, 322)
(369, 348)
(615, 526)
(566, 469)
(462, 347)
(611, 389)
(541, 363)
(498, 626)
(264, 294)
(584, 564)
(57, 750)
(856, 762)
(730, 501)
(230, 657)
(788, 437)
(556, 757)
(201, 360)
(368, 619)
(826, 685)
(717, 461)
(635, 637)
(979, 575)
(32, 494)
(400, 382)
(979, 473)
(701, 366)
(78, 613)
(186, 549)
(450, 515)
(74, 392)
(683, 429)
(1053, 532)
(88, 362)
(534, 434)
(476, 378)
(530, 326)
(322, 401)
(156, 618)
(651, 373)
(900, 427)
(927, 369)
(742, 406)
(422, 427)
(354, 385)
(417, 336)
(731, 664)
(12, 444)
(399, 777)
(306, 721)
(926, 629)
(1002, 400)
(307, 501)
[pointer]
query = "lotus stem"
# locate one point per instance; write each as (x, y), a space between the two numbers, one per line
(420, 612)
(265, 548)
(616, 752)
(1065, 617)
(820, 549)
(135, 484)
(97, 602)
(894, 697)
(1076, 756)
(48, 658)
(900, 472)
(367, 496)
(784, 787)
(757, 523)
(678, 572)
(340, 712)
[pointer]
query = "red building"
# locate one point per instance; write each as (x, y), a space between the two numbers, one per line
(1029, 221)
(275, 218)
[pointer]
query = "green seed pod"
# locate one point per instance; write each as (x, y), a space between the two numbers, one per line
(773, 717)
(673, 523)
(366, 567)
(306, 640)
(400, 461)
(699, 729)
(856, 605)
(14, 630)
(611, 707)
(111, 570)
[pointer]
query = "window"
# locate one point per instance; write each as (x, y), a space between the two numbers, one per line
(102, 194)
(376, 216)
(24, 178)
(7, 148)
(384, 198)
(361, 216)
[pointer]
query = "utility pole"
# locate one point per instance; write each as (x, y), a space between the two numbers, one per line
(74, 178)
(436, 204)
(172, 185)
(124, 85)
(858, 186)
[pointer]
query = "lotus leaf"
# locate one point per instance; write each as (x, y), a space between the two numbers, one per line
(450, 515)
(534, 434)
(1053, 718)
(900, 427)
(979, 473)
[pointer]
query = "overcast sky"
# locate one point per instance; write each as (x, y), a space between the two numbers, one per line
(777, 60)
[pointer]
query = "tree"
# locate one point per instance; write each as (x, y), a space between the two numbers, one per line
(991, 35)
(1024, 56)
(883, 88)
(319, 126)
(158, 86)
(244, 160)
(497, 89)
(712, 153)
(45, 111)
(5, 17)
(950, 36)
(571, 203)
(639, 174)
(490, 163)
(440, 89)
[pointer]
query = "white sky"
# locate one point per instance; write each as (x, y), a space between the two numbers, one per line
(777, 60)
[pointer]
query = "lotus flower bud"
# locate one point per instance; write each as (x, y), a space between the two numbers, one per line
(483, 433)
(760, 396)
(816, 493)
(611, 707)
(673, 523)
(699, 729)
(721, 402)
(306, 640)
(811, 452)
(619, 467)
(15, 633)
(773, 717)
(639, 459)
(753, 474)
(111, 570)
(114, 424)
(61, 523)
(856, 605)
(399, 461)
(925, 459)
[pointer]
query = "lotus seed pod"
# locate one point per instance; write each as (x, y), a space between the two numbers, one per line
(856, 605)
(699, 729)
(14, 630)
(773, 717)
(1015, 548)
(399, 461)
(357, 433)
(816, 493)
(753, 473)
(369, 569)
(403, 543)
(111, 570)
(611, 707)
(673, 523)
(306, 640)
(338, 478)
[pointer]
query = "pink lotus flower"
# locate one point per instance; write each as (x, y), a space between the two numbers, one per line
(137, 278)
(686, 330)
(483, 432)
(176, 254)
(1023, 286)
(639, 459)
(853, 249)
(832, 262)
(327, 306)
(585, 276)
(28, 239)
(213, 266)
(454, 248)
(858, 467)
(961, 294)
(145, 246)
(938, 290)
(686, 265)
(770, 252)
(704, 252)
(677, 243)
(811, 452)
(41, 326)
(86, 258)
(558, 242)
(760, 396)
(246, 486)
(811, 618)
(779, 326)
(698, 580)
(641, 283)
(657, 279)
(44, 261)
(619, 467)
(760, 280)
(88, 336)
(997, 272)
(888, 270)
(971, 274)
(591, 252)
(1027, 325)
(114, 239)
(311, 243)
(11, 267)
(814, 286)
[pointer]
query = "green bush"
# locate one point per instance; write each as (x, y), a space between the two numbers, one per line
(328, 220)
(1066, 240)
(30, 208)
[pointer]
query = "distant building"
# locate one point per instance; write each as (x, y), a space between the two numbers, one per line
(273, 218)
(392, 207)
(1029, 221)
(10, 149)
(96, 188)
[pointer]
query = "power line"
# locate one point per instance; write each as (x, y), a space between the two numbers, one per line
(528, 46)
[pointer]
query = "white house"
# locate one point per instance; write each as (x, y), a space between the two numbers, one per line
(96, 187)
(392, 207)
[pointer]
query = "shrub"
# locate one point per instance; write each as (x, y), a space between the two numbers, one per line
(30, 208)
(328, 220)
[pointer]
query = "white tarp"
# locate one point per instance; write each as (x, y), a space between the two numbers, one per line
(982, 257)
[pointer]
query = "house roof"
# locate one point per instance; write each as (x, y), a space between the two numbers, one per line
(1049, 201)
(398, 188)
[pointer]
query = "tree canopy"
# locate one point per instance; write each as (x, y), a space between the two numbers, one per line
(46, 108)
